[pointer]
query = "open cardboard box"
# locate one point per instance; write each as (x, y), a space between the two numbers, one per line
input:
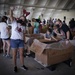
(50, 55)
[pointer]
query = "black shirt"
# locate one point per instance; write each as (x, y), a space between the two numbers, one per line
(65, 28)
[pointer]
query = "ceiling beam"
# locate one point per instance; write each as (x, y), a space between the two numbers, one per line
(46, 4)
(72, 4)
(35, 2)
(33, 9)
(22, 1)
(57, 5)
(44, 9)
(53, 11)
(37, 6)
(66, 3)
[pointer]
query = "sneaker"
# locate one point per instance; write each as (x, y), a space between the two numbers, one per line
(28, 55)
(24, 67)
(8, 56)
(4, 55)
(15, 69)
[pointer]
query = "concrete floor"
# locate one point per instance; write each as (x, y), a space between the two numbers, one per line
(6, 68)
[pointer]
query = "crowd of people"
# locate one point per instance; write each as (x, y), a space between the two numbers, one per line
(13, 35)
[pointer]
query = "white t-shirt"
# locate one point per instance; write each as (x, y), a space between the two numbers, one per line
(3, 30)
(15, 33)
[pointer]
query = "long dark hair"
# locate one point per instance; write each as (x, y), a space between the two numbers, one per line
(4, 19)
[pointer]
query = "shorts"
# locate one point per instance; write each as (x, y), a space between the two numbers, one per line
(5, 38)
(17, 43)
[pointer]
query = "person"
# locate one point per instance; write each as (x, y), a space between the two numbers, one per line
(30, 29)
(23, 18)
(32, 24)
(59, 33)
(51, 22)
(29, 23)
(65, 29)
(36, 27)
(44, 21)
(17, 40)
(72, 24)
(28, 42)
(4, 29)
(49, 35)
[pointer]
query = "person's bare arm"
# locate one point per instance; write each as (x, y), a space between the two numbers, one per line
(68, 34)
(58, 33)
(11, 14)
(54, 38)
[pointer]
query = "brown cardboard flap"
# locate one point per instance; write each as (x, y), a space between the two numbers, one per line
(38, 47)
(27, 38)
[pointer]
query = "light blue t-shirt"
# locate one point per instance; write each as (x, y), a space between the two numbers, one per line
(36, 25)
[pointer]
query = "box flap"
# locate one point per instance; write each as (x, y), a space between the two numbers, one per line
(27, 38)
(38, 47)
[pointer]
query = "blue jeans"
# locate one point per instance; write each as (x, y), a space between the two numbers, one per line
(36, 31)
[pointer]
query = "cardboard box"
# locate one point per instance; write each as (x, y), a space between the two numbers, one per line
(53, 54)
(51, 57)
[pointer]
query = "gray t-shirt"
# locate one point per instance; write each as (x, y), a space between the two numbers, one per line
(48, 35)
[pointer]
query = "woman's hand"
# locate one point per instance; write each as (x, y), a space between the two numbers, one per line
(49, 39)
